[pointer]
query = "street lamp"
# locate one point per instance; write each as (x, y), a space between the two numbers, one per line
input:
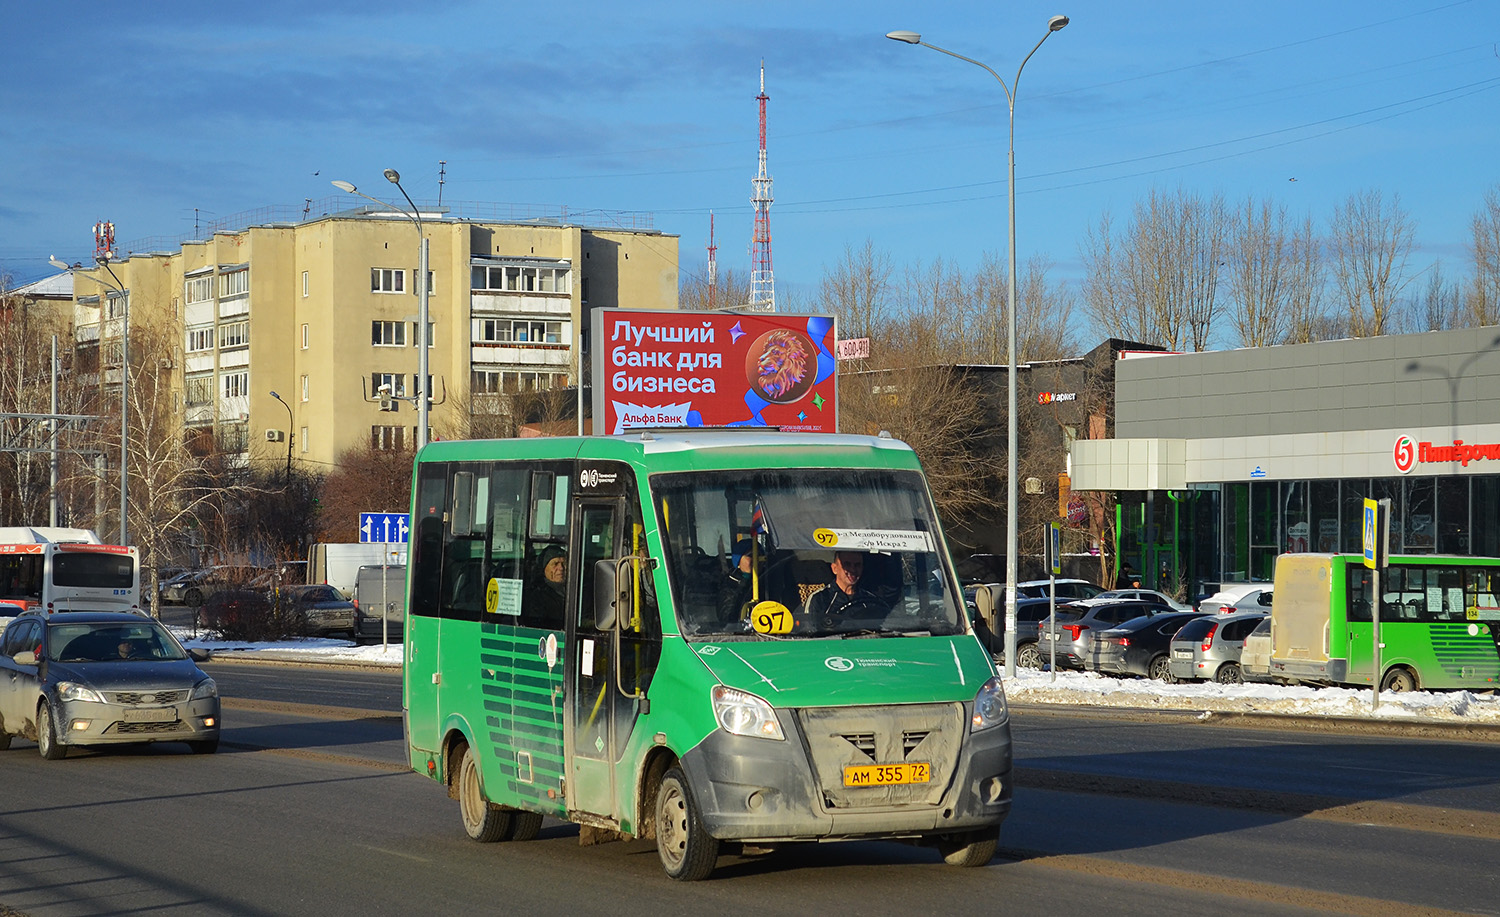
(119, 288)
(1054, 24)
(394, 177)
(289, 435)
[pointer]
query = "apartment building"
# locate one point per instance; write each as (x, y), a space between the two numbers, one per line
(323, 312)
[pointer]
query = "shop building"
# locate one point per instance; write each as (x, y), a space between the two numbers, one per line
(1223, 460)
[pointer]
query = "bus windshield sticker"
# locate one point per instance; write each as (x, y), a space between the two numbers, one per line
(887, 540)
(771, 618)
(503, 597)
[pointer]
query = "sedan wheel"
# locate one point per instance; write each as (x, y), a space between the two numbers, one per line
(46, 734)
(1029, 657)
(1161, 670)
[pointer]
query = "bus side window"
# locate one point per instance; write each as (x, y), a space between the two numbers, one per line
(427, 539)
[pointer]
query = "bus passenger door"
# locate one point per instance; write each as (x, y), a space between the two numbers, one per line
(591, 744)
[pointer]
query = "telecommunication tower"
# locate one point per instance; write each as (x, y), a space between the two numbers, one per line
(762, 281)
(713, 264)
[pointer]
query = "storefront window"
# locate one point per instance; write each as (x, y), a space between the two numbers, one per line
(1296, 536)
(1323, 521)
(1418, 532)
(1391, 489)
(1485, 507)
(1236, 538)
(1265, 520)
(1352, 496)
(1453, 515)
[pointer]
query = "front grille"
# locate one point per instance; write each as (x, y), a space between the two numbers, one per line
(840, 737)
(136, 698)
(136, 729)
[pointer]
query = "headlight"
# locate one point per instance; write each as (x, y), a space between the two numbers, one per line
(205, 688)
(72, 690)
(744, 714)
(989, 705)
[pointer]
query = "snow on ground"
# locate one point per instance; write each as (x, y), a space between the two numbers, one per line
(1029, 686)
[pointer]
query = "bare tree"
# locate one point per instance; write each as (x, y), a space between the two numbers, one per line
(857, 290)
(1267, 276)
(26, 329)
(1158, 281)
(1370, 242)
(364, 479)
(1442, 303)
(1305, 296)
(1484, 298)
(1043, 321)
(730, 292)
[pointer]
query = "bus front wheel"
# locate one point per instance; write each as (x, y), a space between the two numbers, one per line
(1398, 680)
(484, 821)
(688, 853)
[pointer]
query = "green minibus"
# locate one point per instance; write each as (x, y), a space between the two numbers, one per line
(1439, 622)
(635, 633)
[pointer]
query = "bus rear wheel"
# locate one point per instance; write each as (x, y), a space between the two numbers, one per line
(1398, 680)
(484, 821)
(688, 853)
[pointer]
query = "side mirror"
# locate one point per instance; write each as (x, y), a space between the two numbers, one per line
(199, 655)
(606, 594)
(25, 657)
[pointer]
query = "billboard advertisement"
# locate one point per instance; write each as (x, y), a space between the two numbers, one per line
(713, 369)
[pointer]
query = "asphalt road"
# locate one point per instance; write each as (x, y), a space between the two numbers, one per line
(310, 810)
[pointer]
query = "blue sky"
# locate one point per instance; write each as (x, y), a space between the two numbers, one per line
(140, 113)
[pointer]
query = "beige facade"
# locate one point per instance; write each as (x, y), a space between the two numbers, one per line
(323, 312)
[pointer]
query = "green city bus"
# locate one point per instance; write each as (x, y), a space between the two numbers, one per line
(1439, 622)
(679, 682)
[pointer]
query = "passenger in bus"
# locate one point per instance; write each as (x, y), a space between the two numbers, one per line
(735, 590)
(546, 593)
(847, 596)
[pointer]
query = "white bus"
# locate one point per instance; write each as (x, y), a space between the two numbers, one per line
(60, 569)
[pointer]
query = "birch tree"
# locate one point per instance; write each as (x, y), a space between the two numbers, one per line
(1484, 298)
(1370, 242)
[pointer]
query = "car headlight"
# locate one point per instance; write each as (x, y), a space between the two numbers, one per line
(72, 690)
(989, 706)
(744, 714)
(205, 688)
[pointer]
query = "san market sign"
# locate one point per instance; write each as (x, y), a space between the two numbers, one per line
(1407, 453)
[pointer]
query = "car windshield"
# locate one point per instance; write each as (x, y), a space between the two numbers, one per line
(112, 642)
(319, 594)
(737, 539)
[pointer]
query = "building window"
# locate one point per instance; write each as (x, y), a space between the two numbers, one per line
(429, 334)
(387, 280)
(304, 284)
(234, 437)
(388, 334)
(116, 306)
(388, 439)
(234, 283)
(198, 390)
(507, 382)
(302, 438)
(431, 284)
(304, 388)
(521, 279)
(199, 289)
(234, 334)
(387, 386)
(234, 385)
(304, 335)
(518, 331)
(200, 339)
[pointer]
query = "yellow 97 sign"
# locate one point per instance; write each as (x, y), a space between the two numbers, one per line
(827, 538)
(771, 618)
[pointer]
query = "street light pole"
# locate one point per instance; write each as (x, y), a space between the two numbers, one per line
(422, 395)
(124, 294)
(290, 436)
(1054, 24)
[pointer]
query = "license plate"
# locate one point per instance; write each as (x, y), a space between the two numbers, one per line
(1182, 654)
(887, 774)
(150, 714)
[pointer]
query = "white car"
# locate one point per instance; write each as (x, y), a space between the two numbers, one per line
(1243, 597)
(1135, 594)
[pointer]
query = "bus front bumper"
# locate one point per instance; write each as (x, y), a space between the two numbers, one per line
(755, 789)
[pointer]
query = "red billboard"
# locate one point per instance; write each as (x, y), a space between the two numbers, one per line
(713, 369)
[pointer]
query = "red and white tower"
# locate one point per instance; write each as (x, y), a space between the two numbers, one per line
(713, 265)
(762, 281)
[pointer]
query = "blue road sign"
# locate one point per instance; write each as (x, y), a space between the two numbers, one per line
(384, 528)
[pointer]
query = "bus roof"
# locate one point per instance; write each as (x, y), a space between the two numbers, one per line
(21, 534)
(741, 447)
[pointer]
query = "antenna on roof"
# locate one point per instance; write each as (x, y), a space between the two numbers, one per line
(442, 171)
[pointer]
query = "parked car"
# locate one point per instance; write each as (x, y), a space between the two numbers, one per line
(166, 595)
(320, 610)
(1255, 654)
(1244, 597)
(380, 600)
(10, 609)
(1074, 635)
(1067, 589)
(1209, 649)
(99, 678)
(194, 590)
(1135, 594)
(1138, 647)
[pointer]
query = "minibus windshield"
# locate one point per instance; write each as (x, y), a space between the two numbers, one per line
(835, 553)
